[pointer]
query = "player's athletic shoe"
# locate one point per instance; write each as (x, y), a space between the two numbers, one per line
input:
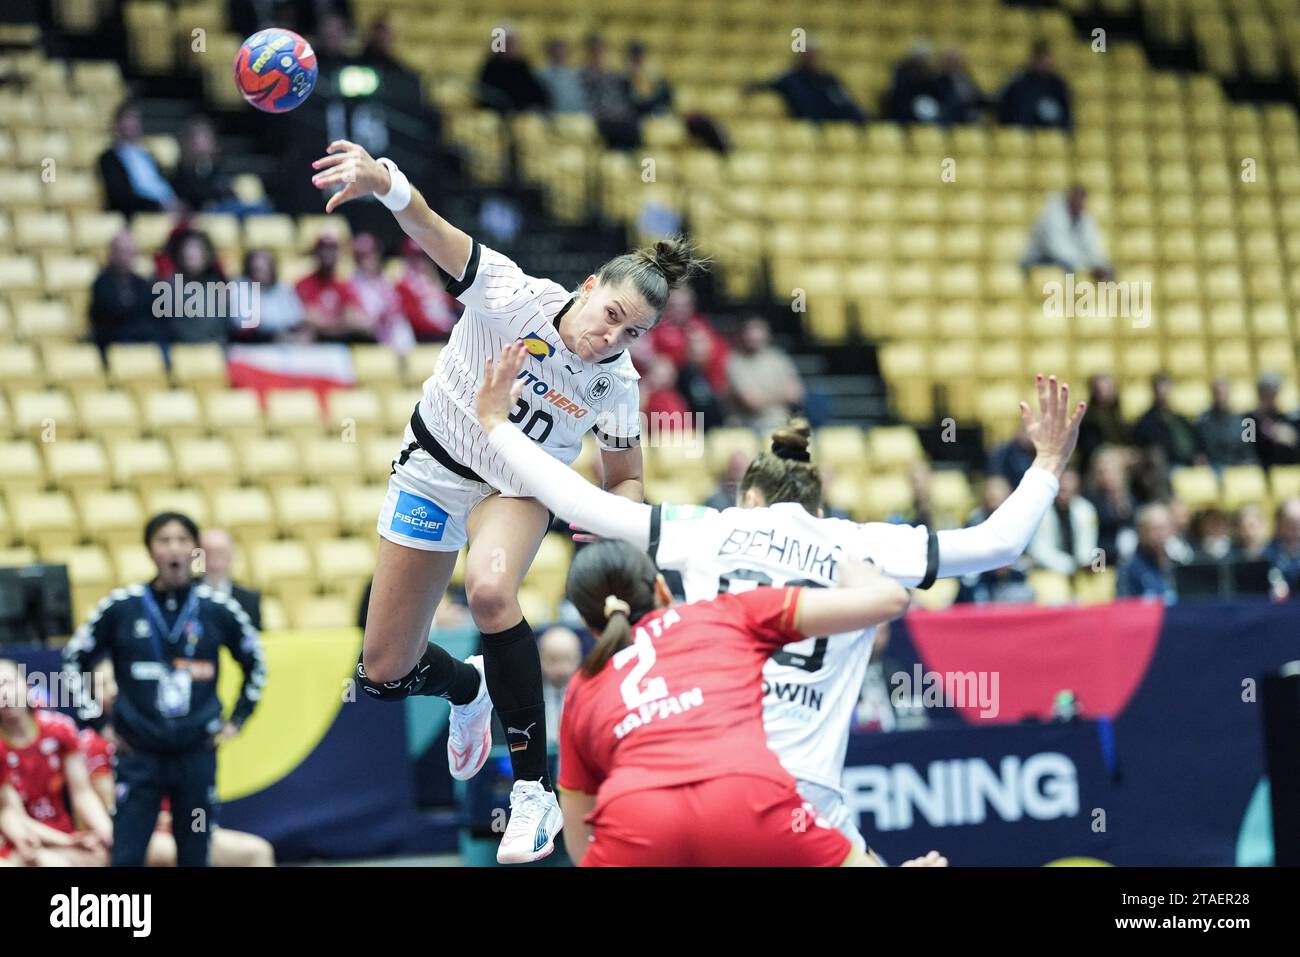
(535, 820)
(469, 737)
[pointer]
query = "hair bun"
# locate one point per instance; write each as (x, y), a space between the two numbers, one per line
(792, 441)
(615, 605)
(676, 259)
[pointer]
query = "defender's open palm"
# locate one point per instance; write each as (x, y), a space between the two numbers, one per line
(1055, 430)
(500, 388)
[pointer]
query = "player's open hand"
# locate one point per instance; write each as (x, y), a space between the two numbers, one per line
(1055, 430)
(933, 859)
(500, 388)
(349, 165)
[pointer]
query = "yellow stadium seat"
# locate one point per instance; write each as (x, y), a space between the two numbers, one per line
(246, 512)
(398, 407)
(199, 366)
(841, 447)
(419, 364)
(48, 416)
(271, 462)
(93, 230)
(334, 462)
(884, 495)
(187, 501)
(132, 564)
(283, 568)
(307, 512)
(359, 508)
(670, 457)
(311, 228)
(111, 517)
(724, 443)
(173, 414)
(344, 566)
(273, 231)
(21, 468)
(1284, 481)
(1190, 399)
(352, 412)
(45, 520)
(90, 573)
(108, 414)
(206, 463)
(17, 556)
(893, 447)
(293, 411)
(1196, 486)
(20, 367)
(137, 366)
(65, 272)
(73, 366)
(1050, 588)
(47, 319)
(274, 616)
(142, 463)
(1094, 587)
(233, 413)
(77, 464)
(377, 367)
(950, 492)
(550, 568)
(44, 230)
(1242, 485)
(319, 612)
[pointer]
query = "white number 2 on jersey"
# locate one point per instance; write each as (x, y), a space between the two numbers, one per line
(634, 696)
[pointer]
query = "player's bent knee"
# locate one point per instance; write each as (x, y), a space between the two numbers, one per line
(494, 608)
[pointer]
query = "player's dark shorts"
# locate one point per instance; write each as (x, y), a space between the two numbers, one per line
(733, 821)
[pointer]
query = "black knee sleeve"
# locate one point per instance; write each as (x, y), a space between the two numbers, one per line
(437, 674)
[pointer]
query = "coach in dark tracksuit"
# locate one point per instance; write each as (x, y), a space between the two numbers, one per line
(164, 639)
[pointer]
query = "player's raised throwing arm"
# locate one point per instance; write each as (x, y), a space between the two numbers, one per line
(361, 175)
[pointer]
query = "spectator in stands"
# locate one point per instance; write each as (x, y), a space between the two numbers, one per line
(1066, 235)
(196, 262)
(960, 98)
(563, 83)
(1165, 429)
(1002, 584)
(914, 96)
(133, 183)
(400, 85)
(661, 402)
(1104, 424)
(651, 93)
(1179, 547)
(333, 38)
(330, 304)
(1149, 573)
(922, 510)
(1220, 430)
(1249, 534)
(121, 300)
(1277, 435)
(610, 99)
(765, 385)
(561, 653)
(1113, 502)
(429, 309)
(378, 296)
(1284, 550)
(1037, 95)
(671, 336)
(507, 83)
(724, 496)
(279, 312)
(812, 93)
(696, 383)
(1011, 459)
(1211, 537)
(198, 179)
(218, 548)
(1066, 541)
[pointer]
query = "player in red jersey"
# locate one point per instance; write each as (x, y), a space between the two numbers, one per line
(663, 756)
(39, 758)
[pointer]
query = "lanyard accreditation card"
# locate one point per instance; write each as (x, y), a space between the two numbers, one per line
(175, 684)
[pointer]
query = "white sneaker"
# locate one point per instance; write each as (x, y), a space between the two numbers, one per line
(469, 737)
(535, 820)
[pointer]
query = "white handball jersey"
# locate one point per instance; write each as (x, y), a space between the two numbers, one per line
(563, 397)
(810, 687)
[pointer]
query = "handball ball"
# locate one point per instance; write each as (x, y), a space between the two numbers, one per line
(275, 70)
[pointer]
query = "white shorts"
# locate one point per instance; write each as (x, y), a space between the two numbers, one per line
(830, 804)
(428, 505)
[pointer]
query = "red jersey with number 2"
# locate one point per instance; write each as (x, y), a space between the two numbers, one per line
(36, 771)
(683, 702)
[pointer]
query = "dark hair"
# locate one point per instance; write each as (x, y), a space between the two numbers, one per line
(601, 571)
(125, 107)
(163, 518)
(786, 474)
(260, 251)
(654, 271)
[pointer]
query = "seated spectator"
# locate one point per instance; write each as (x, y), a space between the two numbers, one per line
(279, 313)
(922, 510)
(1221, 431)
(218, 547)
(1249, 534)
(507, 83)
(1010, 583)
(664, 406)
(1149, 573)
(812, 93)
(914, 95)
(765, 384)
(400, 85)
(610, 99)
(1277, 434)
(1108, 490)
(378, 296)
(331, 308)
(1162, 427)
(960, 98)
(650, 91)
(1037, 95)
(1066, 541)
(1104, 424)
(725, 495)
(333, 39)
(1179, 547)
(560, 650)
(563, 83)
(426, 304)
(671, 337)
(121, 300)
(196, 262)
(1012, 459)
(695, 382)
(133, 183)
(1066, 235)
(1284, 550)
(198, 178)
(1211, 537)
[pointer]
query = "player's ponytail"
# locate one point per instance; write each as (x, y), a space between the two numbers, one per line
(655, 270)
(612, 585)
(786, 473)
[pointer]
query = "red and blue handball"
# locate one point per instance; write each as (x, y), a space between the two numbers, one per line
(275, 70)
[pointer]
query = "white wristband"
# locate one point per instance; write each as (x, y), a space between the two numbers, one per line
(398, 196)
